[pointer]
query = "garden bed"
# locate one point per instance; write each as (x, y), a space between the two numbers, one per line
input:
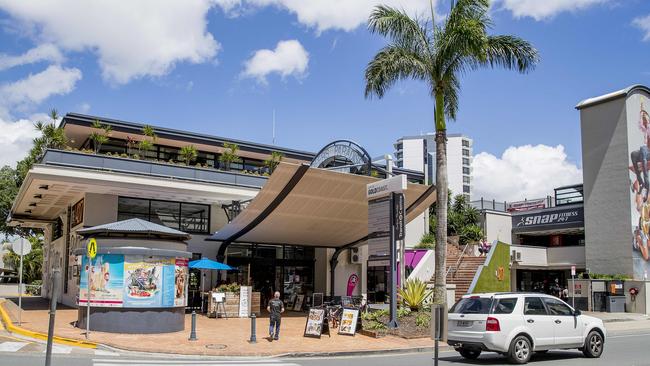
(411, 324)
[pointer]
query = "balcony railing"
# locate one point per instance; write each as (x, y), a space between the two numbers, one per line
(75, 159)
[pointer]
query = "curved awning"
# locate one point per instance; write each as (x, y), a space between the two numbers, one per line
(307, 206)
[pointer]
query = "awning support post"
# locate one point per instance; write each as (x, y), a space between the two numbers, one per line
(333, 263)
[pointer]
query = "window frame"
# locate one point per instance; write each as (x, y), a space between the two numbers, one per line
(559, 302)
(148, 215)
(547, 313)
(498, 301)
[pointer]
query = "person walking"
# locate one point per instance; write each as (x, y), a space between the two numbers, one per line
(275, 309)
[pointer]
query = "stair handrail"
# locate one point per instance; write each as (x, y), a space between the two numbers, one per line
(460, 258)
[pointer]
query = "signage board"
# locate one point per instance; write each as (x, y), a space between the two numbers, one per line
(21, 246)
(558, 218)
(527, 205)
(245, 293)
(383, 187)
(314, 325)
(379, 227)
(399, 219)
(297, 306)
(134, 281)
(91, 249)
(349, 320)
(573, 271)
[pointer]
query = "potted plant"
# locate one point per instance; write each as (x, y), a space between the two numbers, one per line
(188, 154)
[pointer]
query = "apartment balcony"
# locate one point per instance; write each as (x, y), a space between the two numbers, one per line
(106, 163)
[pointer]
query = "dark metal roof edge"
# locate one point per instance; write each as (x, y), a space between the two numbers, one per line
(88, 119)
(138, 250)
(590, 102)
(549, 209)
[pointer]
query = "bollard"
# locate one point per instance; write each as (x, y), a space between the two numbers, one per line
(253, 336)
(193, 330)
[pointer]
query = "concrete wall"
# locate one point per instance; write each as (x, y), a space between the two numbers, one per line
(99, 209)
(496, 226)
(641, 303)
(343, 271)
(415, 229)
(606, 188)
(426, 267)
(573, 255)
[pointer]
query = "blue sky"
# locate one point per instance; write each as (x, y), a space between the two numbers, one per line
(198, 66)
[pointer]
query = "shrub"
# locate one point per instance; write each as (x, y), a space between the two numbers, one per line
(402, 312)
(428, 241)
(414, 293)
(233, 287)
(423, 319)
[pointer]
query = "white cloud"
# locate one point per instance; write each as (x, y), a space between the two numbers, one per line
(324, 15)
(643, 23)
(15, 140)
(522, 172)
(132, 39)
(35, 88)
(288, 58)
(45, 52)
(545, 9)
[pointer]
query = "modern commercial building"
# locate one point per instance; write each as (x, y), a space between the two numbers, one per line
(300, 228)
(419, 153)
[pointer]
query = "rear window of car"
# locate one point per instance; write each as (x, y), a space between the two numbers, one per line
(505, 306)
(472, 305)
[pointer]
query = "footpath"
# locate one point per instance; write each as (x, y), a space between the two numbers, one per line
(230, 337)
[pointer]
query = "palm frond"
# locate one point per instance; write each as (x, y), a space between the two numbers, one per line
(511, 53)
(393, 63)
(400, 28)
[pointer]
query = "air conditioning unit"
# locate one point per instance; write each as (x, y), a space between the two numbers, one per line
(355, 256)
(515, 256)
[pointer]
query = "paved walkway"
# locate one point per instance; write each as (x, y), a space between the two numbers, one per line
(219, 337)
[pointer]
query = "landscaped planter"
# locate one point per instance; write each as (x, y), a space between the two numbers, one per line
(232, 305)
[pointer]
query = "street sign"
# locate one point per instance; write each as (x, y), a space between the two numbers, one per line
(386, 186)
(92, 248)
(399, 219)
(379, 227)
(21, 246)
(573, 270)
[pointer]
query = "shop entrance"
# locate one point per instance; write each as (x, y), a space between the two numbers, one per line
(269, 268)
(548, 282)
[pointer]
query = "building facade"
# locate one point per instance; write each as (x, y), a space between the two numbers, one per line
(419, 153)
(89, 184)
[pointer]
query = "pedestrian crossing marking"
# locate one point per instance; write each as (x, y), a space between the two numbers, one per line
(12, 346)
(60, 349)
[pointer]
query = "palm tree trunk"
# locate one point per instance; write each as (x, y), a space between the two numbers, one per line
(440, 277)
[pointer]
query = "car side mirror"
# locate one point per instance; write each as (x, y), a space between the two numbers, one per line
(577, 312)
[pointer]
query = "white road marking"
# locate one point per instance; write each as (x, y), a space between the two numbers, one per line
(12, 346)
(141, 362)
(101, 352)
(60, 349)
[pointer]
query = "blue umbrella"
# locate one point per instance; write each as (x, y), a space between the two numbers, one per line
(205, 263)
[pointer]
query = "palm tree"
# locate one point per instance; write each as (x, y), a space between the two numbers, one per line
(147, 142)
(229, 155)
(273, 161)
(52, 137)
(438, 54)
(101, 135)
(188, 154)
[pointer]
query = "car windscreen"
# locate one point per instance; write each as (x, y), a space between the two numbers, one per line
(472, 305)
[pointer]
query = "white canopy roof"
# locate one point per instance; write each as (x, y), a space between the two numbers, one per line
(307, 206)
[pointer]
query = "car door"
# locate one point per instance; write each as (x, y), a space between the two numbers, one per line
(538, 322)
(568, 330)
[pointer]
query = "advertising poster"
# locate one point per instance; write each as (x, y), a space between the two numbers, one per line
(638, 125)
(314, 326)
(181, 274)
(143, 280)
(348, 324)
(106, 280)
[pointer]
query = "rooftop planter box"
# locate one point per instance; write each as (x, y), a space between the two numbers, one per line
(83, 160)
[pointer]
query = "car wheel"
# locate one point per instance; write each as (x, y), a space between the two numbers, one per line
(520, 350)
(469, 354)
(594, 345)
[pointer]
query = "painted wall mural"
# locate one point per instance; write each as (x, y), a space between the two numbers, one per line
(638, 127)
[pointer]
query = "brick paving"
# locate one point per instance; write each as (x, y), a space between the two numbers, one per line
(221, 337)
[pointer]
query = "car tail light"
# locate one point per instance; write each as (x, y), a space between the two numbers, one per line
(492, 325)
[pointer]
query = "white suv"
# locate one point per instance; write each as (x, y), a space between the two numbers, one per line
(518, 324)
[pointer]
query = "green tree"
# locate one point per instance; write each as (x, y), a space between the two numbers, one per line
(100, 135)
(51, 137)
(8, 191)
(147, 143)
(229, 155)
(32, 262)
(438, 54)
(188, 154)
(273, 161)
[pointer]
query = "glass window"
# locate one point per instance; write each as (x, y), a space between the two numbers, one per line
(465, 143)
(239, 250)
(472, 305)
(132, 208)
(557, 307)
(505, 306)
(165, 213)
(534, 306)
(466, 179)
(168, 153)
(466, 189)
(465, 152)
(465, 161)
(195, 218)
(466, 171)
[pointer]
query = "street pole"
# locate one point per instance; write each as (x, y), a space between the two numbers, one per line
(573, 291)
(393, 265)
(20, 288)
(89, 289)
(56, 274)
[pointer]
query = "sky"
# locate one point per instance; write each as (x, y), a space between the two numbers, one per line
(222, 67)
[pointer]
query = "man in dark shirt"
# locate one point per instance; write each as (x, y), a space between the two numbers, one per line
(275, 309)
